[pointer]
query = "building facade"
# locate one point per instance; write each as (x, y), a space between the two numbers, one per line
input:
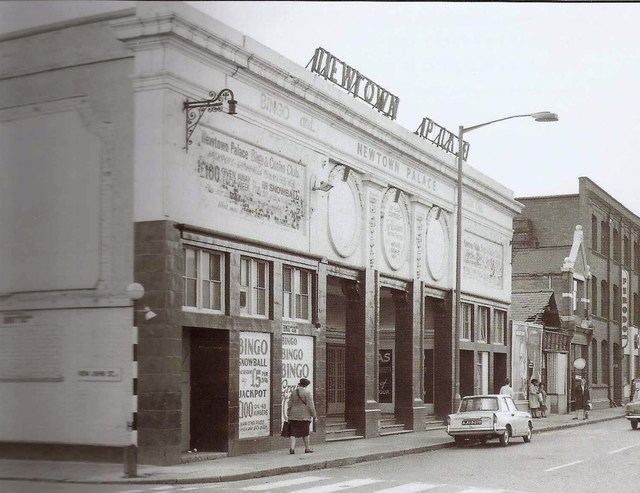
(303, 235)
(597, 281)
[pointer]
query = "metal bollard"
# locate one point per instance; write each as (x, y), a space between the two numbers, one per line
(130, 461)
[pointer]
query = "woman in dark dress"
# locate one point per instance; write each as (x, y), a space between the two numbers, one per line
(300, 412)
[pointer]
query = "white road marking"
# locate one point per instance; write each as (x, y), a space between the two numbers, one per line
(410, 488)
(344, 485)
(480, 490)
(131, 491)
(622, 449)
(284, 483)
(563, 465)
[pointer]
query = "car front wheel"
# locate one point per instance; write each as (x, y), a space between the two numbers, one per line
(505, 438)
(527, 437)
(634, 424)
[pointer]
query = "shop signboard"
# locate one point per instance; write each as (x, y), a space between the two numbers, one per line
(239, 178)
(255, 384)
(482, 261)
(361, 87)
(297, 363)
(441, 137)
(625, 311)
(385, 376)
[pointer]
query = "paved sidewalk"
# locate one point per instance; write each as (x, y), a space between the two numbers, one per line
(264, 464)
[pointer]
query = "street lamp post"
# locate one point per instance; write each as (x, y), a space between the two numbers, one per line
(543, 116)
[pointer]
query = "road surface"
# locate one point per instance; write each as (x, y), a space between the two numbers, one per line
(603, 457)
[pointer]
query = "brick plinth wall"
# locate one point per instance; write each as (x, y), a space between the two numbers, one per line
(158, 266)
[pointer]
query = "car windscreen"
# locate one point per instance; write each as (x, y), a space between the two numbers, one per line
(479, 404)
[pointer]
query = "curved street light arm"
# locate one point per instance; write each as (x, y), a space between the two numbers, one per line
(469, 129)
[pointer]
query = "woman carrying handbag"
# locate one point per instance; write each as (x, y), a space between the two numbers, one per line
(300, 412)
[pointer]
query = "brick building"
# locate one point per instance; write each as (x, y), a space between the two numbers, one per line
(305, 234)
(585, 247)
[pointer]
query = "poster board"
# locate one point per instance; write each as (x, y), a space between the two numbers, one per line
(254, 385)
(297, 363)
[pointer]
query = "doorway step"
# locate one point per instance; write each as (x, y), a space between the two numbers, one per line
(389, 426)
(432, 422)
(336, 430)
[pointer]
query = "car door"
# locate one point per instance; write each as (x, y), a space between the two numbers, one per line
(519, 419)
(511, 414)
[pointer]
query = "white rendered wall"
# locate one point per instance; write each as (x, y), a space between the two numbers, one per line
(71, 407)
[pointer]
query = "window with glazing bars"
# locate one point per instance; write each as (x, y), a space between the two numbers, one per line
(296, 293)
(204, 279)
(254, 287)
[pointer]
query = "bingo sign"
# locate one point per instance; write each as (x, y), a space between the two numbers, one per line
(255, 384)
(297, 363)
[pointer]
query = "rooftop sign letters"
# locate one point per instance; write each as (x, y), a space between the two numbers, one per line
(338, 72)
(441, 137)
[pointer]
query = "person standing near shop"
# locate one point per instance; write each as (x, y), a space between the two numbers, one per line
(301, 412)
(506, 388)
(581, 397)
(534, 401)
(635, 389)
(542, 397)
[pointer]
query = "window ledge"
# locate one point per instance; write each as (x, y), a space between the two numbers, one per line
(193, 309)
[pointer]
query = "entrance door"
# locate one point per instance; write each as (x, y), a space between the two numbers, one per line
(335, 379)
(428, 378)
(209, 390)
(499, 370)
(466, 373)
(386, 388)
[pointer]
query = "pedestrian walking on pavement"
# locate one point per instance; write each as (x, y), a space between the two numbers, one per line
(542, 397)
(635, 389)
(581, 397)
(534, 400)
(506, 388)
(301, 412)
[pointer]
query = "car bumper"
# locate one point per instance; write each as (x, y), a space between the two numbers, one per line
(478, 432)
(633, 416)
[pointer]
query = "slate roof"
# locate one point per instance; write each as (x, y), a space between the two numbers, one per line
(539, 260)
(535, 306)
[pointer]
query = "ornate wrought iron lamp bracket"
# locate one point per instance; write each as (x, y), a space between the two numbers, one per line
(195, 110)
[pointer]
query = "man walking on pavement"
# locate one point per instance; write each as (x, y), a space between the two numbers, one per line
(581, 397)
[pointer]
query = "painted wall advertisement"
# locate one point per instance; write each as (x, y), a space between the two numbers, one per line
(255, 384)
(385, 376)
(297, 363)
(239, 178)
(482, 260)
(526, 357)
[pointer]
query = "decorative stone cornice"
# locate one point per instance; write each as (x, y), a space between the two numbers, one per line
(185, 27)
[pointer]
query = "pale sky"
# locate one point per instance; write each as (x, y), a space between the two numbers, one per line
(466, 63)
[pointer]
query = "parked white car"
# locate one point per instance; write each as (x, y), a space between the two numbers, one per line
(632, 413)
(482, 417)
